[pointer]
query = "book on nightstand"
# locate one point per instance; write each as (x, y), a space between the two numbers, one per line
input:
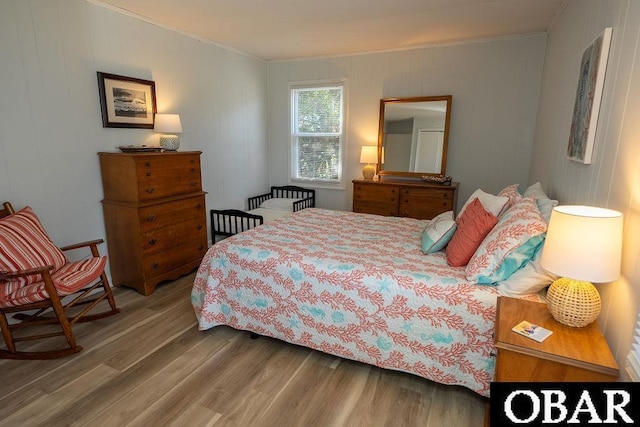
(529, 330)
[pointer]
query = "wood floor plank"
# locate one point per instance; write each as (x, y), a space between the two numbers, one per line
(150, 366)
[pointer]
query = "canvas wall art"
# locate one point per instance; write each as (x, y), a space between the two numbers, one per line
(588, 96)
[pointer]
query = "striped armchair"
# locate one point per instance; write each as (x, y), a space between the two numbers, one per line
(36, 276)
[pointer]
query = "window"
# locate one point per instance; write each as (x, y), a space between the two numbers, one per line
(317, 132)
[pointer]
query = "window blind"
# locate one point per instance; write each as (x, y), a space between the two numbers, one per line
(317, 132)
(633, 360)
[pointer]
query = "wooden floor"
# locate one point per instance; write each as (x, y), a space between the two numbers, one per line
(150, 366)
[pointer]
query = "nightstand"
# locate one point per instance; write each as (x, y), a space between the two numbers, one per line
(569, 354)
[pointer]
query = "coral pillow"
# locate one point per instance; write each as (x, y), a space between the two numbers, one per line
(24, 244)
(511, 243)
(473, 225)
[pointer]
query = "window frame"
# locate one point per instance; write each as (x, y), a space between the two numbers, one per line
(293, 146)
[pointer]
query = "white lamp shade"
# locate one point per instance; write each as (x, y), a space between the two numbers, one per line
(584, 243)
(167, 123)
(369, 154)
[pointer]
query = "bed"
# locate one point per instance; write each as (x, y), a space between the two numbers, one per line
(367, 288)
(355, 286)
(280, 201)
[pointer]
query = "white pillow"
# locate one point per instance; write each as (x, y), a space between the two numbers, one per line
(279, 204)
(492, 204)
(529, 279)
(545, 204)
(437, 234)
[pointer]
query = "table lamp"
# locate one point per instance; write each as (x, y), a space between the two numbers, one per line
(583, 245)
(369, 155)
(169, 125)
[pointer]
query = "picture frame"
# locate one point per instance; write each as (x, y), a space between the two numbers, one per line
(588, 98)
(126, 102)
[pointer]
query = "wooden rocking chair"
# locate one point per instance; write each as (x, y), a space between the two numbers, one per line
(36, 276)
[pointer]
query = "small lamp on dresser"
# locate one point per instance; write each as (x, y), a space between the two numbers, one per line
(369, 155)
(169, 125)
(583, 245)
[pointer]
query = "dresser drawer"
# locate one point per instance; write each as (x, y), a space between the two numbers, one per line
(375, 193)
(167, 175)
(166, 214)
(161, 239)
(172, 258)
(426, 194)
(170, 186)
(151, 168)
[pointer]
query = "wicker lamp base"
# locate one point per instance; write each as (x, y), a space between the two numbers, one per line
(573, 302)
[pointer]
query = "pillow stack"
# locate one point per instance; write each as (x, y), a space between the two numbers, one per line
(497, 237)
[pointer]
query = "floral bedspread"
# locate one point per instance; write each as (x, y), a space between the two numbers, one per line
(356, 286)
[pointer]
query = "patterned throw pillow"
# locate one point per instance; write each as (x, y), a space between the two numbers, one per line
(512, 193)
(513, 242)
(24, 244)
(437, 234)
(473, 225)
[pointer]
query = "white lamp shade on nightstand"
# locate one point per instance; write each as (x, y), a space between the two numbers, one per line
(169, 125)
(369, 155)
(583, 245)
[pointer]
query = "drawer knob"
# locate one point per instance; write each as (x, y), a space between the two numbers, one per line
(198, 206)
(150, 190)
(193, 183)
(200, 247)
(150, 218)
(148, 164)
(148, 173)
(199, 226)
(152, 242)
(193, 161)
(193, 169)
(154, 265)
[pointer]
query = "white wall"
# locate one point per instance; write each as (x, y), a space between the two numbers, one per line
(612, 180)
(50, 121)
(495, 87)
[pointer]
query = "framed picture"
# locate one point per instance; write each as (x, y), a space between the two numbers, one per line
(588, 97)
(126, 102)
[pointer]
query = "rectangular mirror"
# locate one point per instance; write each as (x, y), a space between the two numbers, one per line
(414, 134)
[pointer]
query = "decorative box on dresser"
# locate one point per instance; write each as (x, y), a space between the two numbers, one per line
(155, 216)
(414, 199)
(567, 355)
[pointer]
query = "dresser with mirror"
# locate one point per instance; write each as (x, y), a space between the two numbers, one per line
(413, 137)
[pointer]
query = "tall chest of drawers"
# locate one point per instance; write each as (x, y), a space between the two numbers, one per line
(419, 200)
(155, 216)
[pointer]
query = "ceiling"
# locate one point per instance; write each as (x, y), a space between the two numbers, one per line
(292, 29)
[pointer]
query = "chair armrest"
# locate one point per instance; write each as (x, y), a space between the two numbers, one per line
(6, 275)
(256, 201)
(82, 245)
(309, 202)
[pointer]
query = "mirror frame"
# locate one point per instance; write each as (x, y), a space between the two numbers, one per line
(383, 103)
